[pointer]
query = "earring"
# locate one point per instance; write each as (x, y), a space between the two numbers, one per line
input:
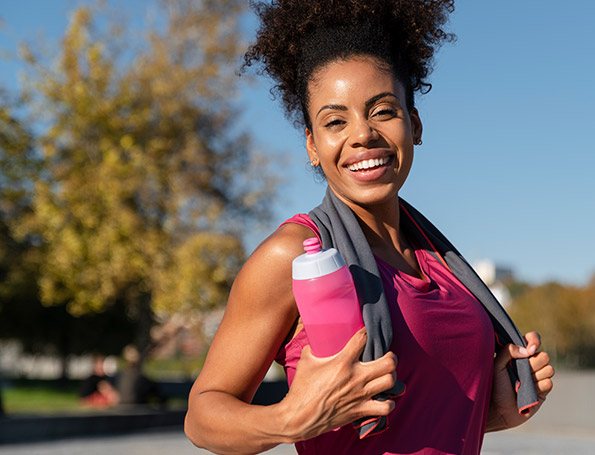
(314, 163)
(418, 141)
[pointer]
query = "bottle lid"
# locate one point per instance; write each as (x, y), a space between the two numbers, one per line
(316, 262)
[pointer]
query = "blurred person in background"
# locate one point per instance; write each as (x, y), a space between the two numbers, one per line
(98, 390)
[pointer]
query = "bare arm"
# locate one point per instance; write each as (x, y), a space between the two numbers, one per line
(326, 393)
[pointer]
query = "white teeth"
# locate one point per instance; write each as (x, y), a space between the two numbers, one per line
(367, 164)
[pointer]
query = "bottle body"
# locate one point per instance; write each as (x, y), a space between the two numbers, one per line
(327, 303)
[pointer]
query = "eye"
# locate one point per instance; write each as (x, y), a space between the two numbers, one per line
(385, 112)
(334, 123)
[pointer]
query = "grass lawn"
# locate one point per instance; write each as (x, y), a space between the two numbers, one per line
(31, 397)
(39, 398)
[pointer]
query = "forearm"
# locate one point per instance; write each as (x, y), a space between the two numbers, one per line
(224, 424)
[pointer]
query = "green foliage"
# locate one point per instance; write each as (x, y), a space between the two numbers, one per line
(19, 257)
(22, 316)
(131, 196)
(145, 187)
(565, 318)
(19, 163)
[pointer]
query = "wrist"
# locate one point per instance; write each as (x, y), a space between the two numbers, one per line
(288, 429)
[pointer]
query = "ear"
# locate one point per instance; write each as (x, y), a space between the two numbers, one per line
(311, 148)
(416, 125)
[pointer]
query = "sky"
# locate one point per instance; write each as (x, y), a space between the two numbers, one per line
(507, 161)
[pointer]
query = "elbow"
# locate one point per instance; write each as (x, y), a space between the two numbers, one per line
(195, 423)
(191, 431)
(198, 432)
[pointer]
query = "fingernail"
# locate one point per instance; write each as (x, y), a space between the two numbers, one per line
(523, 351)
(532, 349)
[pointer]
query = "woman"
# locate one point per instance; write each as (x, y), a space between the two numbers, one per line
(350, 70)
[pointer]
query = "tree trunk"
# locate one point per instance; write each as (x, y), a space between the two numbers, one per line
(144, 324)
(65, 351)
(64, 374)
(133, 386)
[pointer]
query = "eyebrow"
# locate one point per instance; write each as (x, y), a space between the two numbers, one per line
(370, 102)
(333, 107)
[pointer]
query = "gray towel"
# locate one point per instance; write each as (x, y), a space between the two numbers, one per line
(340, 229)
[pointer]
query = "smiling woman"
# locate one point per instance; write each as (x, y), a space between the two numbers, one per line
(348, 71)
(362, 133)
(362, 137)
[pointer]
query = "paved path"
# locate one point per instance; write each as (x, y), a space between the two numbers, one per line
(565, 426)
(514, 442)
(543, 442)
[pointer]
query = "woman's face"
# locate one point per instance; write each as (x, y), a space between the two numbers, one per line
(361, 134)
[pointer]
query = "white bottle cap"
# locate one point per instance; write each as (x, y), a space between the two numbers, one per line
(316, 262)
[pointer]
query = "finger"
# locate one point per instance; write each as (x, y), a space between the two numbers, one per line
(376, 408)
(306, 352)
(380, 375)
(546, 372)
(355, 346)
(379, 384)
(533, 340)
(544, 387)
(387, 364)
(507, 353)
(539, 361)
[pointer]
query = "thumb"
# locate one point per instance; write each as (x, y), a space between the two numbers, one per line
(512, 351)
(355, 346)
(533, 341)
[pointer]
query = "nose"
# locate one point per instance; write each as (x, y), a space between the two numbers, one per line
(363, 133)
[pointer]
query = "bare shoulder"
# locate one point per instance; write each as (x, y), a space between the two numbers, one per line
(281, 247)
(266, 275)
(259, 315)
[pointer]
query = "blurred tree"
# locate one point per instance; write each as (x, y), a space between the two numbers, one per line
(146, 185)
(19, 257)
(19, 164)
(565, 318)
(40, 329)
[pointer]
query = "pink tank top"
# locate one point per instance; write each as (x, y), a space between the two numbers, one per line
(444, 342)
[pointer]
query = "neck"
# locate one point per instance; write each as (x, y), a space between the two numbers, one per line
(380, 223)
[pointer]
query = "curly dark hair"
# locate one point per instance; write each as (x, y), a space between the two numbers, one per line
(297, 37)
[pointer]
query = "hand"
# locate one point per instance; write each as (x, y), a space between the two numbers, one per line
(330, 392)
(503, 411)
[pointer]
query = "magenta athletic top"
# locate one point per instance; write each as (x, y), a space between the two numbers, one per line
(444, 342)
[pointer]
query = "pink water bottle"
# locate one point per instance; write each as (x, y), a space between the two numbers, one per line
(326, 299)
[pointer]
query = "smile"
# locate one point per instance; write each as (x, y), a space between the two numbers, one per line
(368, 164)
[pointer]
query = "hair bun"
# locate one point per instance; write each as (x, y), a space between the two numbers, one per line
(284, 48)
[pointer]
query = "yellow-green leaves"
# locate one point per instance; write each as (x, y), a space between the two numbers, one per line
(565, 316)
(144, 187)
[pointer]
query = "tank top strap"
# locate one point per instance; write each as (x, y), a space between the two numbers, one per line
(303, 220)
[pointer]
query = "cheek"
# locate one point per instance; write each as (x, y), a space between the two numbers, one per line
(329, 147)
(401, 133)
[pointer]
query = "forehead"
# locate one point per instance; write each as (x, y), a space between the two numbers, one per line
(354, 79)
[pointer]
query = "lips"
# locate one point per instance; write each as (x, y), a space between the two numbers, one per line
(370, 165)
